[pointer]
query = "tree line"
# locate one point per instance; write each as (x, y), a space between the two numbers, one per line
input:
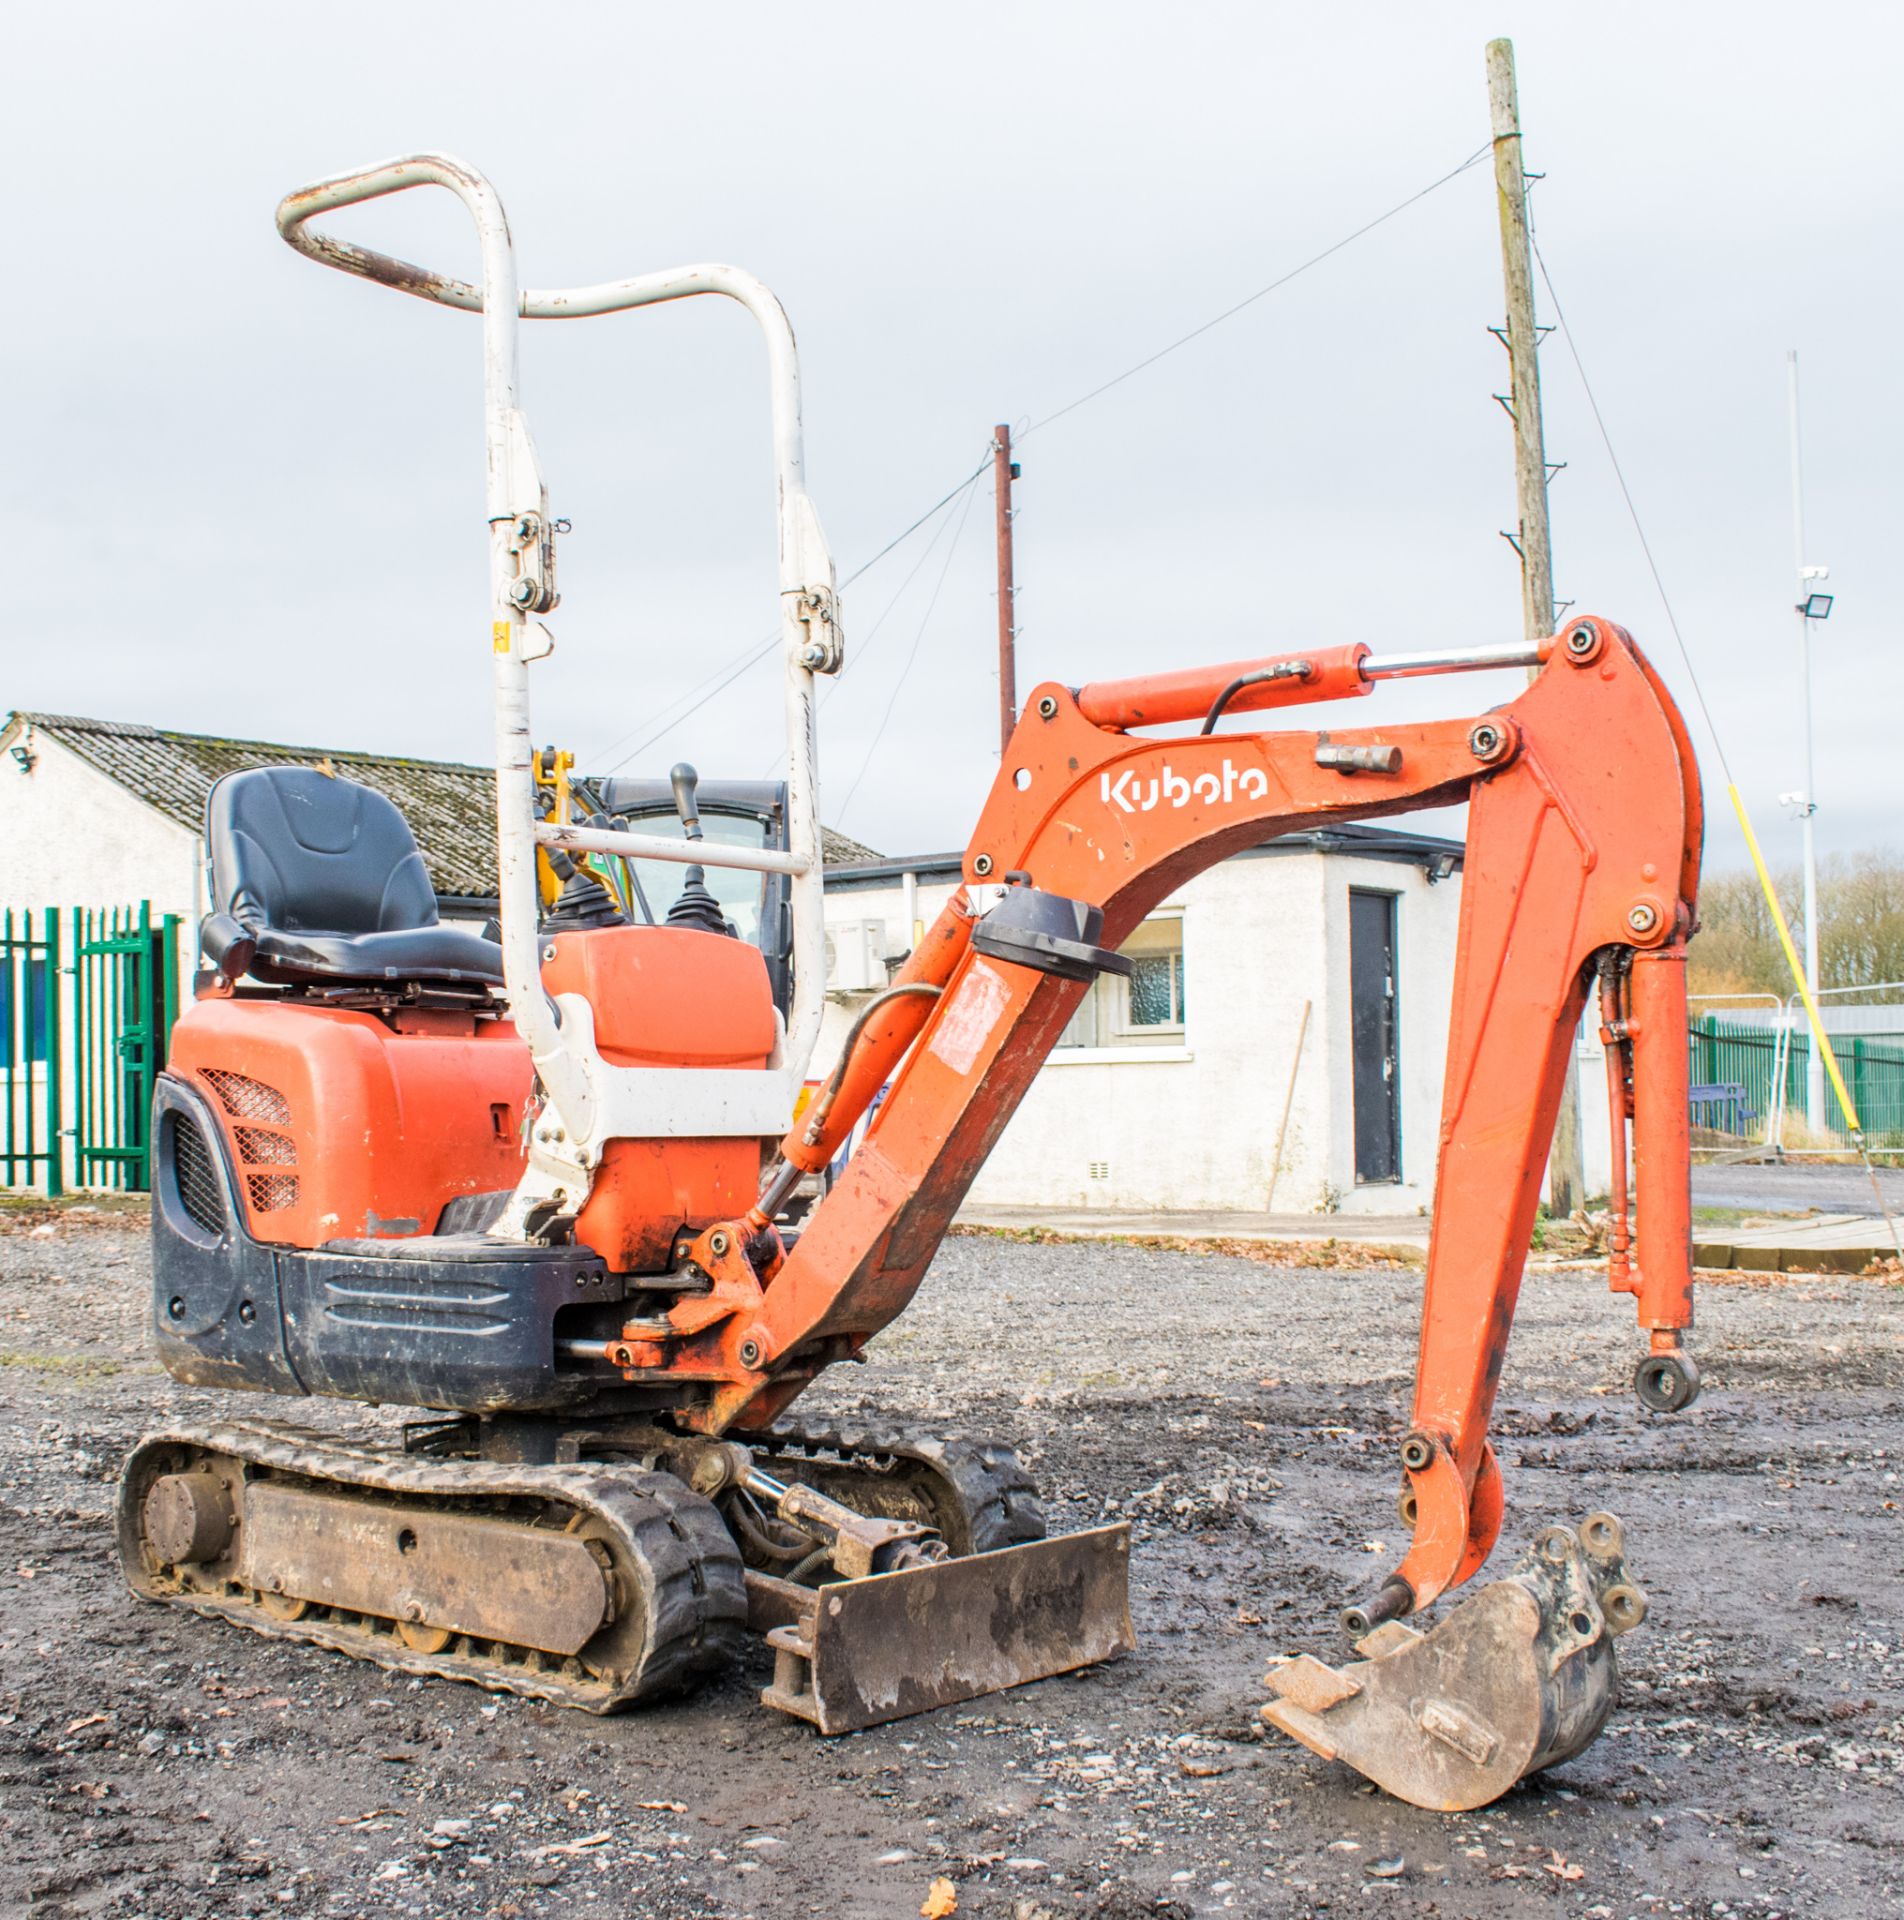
(1860, 927)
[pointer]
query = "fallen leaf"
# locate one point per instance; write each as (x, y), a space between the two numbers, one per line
(1563, 1869)
(572, 1846)
(943, 1899)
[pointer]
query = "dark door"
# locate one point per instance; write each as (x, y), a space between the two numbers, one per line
(1378, 1138)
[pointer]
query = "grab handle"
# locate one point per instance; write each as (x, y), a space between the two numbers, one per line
(295, 210)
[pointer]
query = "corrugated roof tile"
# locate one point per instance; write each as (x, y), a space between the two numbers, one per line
(451, 806)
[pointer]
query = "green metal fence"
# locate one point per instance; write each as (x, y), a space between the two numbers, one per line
(1773, 1065)
(86, 1011)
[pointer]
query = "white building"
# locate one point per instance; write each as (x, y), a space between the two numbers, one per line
(1279, 1047)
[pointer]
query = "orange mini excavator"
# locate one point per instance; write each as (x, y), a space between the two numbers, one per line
(539, 1187)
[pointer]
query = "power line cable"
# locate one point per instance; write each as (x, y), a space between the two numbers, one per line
(892, 699)
(917, 524)
(746, 658)
(1813, 1016)
(863, 647)
(1632, 511)
(1249, 300)
(724, 676)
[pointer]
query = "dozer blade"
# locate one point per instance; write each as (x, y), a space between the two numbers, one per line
(861, 1652)
(1517, 1678)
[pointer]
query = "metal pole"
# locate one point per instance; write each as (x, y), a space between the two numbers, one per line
(1004, 472)
(1808, 803)
(1565, 1178)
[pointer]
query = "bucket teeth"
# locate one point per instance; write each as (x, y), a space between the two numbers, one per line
(1516, 1678)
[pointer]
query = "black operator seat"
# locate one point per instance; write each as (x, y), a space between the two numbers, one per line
(317, 881)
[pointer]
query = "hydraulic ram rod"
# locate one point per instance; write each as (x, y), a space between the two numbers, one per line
(1402, 666)
(1282, 680)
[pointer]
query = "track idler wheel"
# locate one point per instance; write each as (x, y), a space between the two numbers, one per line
(1517, 1678)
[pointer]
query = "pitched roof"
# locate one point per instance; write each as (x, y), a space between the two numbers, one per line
(451, 806)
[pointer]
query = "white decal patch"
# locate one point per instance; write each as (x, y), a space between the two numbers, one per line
(969, 1020)
(1135, 794)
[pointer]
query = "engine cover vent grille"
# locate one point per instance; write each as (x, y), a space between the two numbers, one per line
(272, 1192)
(198, 1184)
(264, 1149)
(247, 1099)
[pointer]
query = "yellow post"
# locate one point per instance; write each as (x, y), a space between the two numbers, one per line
(1798, 972)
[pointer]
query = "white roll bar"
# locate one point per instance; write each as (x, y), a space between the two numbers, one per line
(521, 580)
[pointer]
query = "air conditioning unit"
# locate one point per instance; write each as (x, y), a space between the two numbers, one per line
(856, 956)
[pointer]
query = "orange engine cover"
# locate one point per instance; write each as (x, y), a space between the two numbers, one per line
(343, 1127)
(667, 997)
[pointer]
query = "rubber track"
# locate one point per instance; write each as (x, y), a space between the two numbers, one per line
(696, 1602)
(997, 1496)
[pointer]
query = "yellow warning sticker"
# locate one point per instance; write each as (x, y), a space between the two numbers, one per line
(499, 634)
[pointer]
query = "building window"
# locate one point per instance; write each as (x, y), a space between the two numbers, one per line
(1147, 1009)
(1155, 990)
(23, 1033)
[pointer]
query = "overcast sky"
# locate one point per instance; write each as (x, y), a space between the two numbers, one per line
(245, 494)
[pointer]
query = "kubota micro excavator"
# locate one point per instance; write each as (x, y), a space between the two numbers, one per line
(538, 1187)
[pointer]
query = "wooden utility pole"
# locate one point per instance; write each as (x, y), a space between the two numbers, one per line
(1565, 1179)
(1523, 347)
(1004, 472)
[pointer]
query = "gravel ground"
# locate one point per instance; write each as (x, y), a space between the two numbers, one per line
(1245, 1418)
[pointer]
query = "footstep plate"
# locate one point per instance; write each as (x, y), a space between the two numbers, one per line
(866, 1651)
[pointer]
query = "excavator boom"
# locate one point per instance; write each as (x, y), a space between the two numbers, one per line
(1584, 836)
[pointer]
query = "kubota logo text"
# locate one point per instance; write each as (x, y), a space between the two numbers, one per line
(1138, 795)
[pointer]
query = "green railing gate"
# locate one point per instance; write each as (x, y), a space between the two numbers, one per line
(81, 1042)
(125, 998)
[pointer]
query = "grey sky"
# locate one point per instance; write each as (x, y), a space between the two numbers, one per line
(245, 495)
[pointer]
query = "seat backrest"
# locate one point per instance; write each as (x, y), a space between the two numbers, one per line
(302, 851)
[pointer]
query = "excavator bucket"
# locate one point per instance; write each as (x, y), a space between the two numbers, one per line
(859, 1652)
(1517, 1678)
